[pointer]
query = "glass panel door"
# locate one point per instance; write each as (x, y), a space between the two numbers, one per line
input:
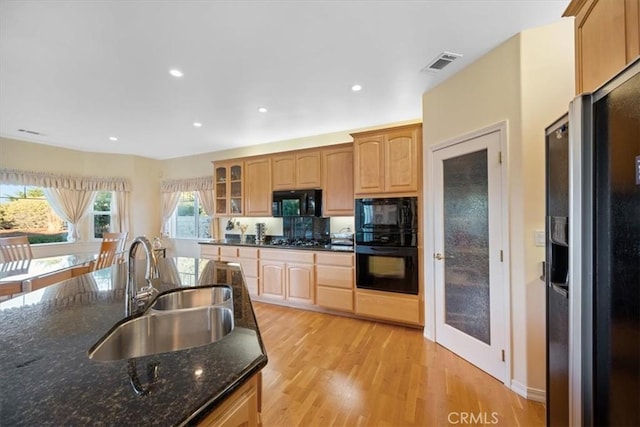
(466, 226)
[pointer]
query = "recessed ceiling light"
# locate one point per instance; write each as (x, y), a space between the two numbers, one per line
(356, 88)
(113, 138)
(262, 110)
(198, 125)
(176, 73)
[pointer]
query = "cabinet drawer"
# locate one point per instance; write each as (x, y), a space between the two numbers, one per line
(338, 299)
(249, 267)
(248, 252)
(209, 251)
(345, 260)
(400, 308)
(337, 277)
(287, 256)
(228, 251)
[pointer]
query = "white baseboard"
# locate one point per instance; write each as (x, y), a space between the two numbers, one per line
(535, 394)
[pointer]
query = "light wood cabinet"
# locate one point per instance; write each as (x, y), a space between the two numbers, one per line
(382, 305)
(241, 408)
(287, 275)
(228, 191)
(258, 186)
(607, 37)
(272, 276)
(210, 252)
(284, 171)
(334, 280)
(388, 161)
(248, 259)
(308, 169)
(337, 181)
(297, 170)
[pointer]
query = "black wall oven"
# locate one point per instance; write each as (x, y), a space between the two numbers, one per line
(386, 244)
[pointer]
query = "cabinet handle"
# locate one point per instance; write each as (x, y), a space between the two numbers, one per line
(438, 256)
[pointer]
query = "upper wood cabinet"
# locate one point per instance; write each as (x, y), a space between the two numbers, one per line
(388, 160)
(308, 171)
(258, 186)
(284, 171)
(607, 37)
(296, 170)
(228, 177)
(337, 181)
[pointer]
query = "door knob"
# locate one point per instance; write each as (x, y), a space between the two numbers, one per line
(438, 256)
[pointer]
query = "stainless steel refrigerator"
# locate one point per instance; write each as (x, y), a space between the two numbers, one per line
(604, 254)
(557, 271)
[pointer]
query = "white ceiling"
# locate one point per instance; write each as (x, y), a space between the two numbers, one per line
(79, 72)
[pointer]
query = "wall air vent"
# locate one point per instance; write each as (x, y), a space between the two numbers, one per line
(441, 61)
(32, 132)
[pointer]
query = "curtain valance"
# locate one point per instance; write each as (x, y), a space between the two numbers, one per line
(51, 180)
(203, 183)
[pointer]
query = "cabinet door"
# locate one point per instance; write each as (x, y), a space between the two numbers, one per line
(607, 38)
(258, 187)
(272, 276)
(300, 282)
(369, 164)
(284, 172)
(229, 189)
(401, 161)
(337, 184)
(308, 170)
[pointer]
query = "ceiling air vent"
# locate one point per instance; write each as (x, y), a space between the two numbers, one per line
(441, 61)
(32, 132)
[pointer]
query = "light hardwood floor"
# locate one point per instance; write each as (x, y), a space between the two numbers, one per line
(330, 370)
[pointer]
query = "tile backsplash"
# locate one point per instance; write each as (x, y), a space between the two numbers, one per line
(293, 227)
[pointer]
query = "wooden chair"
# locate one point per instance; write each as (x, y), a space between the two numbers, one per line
(121, 238)
(15, 249)
(107, 256)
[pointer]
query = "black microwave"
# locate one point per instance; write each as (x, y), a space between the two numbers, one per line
(297, 203)
(389, 221)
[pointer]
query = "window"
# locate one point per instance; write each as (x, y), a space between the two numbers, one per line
(102, 215)
(24, 210)
(189, 219)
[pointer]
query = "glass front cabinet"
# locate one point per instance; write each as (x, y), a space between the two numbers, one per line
(229, 189)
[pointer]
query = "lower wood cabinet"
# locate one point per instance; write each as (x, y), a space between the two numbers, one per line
(334, 280)
(241, 408)
(287, 275)
(322, 279)
(384, 305)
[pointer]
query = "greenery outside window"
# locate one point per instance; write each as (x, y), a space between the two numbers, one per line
(102, 213)
(24, 210)
(189, 219)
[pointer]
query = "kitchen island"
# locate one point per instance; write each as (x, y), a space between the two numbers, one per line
(48, 379)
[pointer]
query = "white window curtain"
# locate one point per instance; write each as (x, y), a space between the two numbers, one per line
(207, 201)
(120, 210)
(170, 194)
(71, 206)
(169, 203)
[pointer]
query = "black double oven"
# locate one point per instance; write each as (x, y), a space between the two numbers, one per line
(387, 244)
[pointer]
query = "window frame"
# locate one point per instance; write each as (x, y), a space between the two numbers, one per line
(92, 214)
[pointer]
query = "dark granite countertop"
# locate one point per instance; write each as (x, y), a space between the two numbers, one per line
(229, 242)
(47, 377)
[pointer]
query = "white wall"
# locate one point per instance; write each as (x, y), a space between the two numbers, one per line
(527, 81)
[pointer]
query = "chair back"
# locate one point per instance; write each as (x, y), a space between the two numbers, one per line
(121, 238)
(107, 256)
(15, 248)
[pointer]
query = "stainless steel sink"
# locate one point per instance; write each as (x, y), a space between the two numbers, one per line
(164, 331)
(193, 297)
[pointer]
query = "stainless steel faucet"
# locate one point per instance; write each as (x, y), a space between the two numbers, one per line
(137, 300)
